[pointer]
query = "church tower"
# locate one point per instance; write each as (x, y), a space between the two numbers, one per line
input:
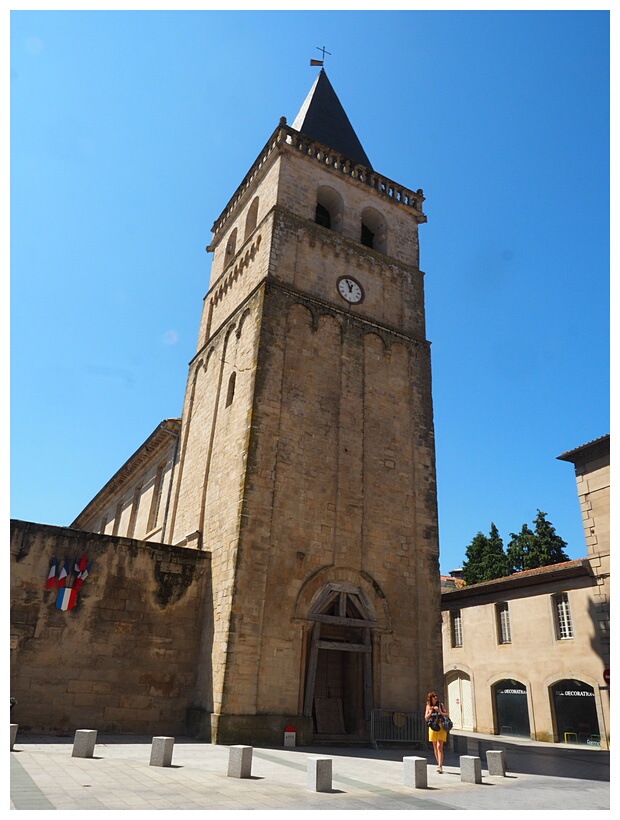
(306, 462)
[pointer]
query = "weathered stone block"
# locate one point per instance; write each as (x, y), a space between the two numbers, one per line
(319, 774)
(240, 761)
(415, 772)
(471, 769)
(496, 762)
(84, 743)
(161, 751)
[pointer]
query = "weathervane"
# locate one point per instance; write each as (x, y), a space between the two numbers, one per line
(323, 51)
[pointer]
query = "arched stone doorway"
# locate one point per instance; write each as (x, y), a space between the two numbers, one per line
(339, 688)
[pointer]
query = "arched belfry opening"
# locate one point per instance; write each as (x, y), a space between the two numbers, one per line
(329, 209)
(339, 688)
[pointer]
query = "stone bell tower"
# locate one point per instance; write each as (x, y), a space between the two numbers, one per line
(306, 462)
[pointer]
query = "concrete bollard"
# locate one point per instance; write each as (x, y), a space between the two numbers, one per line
(415, 772)
(240, 761)
(84, 743)
(319, 774)
(471, 769)
(161, 751)
(496, 763)
(13, 734)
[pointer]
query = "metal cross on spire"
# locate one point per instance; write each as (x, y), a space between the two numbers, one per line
(323, 51)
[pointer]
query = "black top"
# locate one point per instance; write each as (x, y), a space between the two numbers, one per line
(323, 118)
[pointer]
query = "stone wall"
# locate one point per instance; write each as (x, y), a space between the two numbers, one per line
(126, 657)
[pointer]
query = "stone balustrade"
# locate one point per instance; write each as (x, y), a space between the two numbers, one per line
(284, 135)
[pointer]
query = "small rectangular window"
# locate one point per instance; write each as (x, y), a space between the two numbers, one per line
(503, 623)
(564, 623)
(456, 627)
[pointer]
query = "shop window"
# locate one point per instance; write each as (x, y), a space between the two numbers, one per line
(456, 628)
(574, 703)
(563, 620)
(511, 708)
(503, 623)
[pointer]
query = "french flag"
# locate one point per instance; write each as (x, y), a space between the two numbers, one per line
(82, 576)
(62, 575)
(51, 575)
(66, 598)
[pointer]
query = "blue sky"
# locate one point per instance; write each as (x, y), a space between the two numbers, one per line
(130, 131)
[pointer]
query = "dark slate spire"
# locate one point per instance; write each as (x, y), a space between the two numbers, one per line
(323, 118)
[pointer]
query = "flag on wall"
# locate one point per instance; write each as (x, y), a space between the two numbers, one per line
(82, 576)
(62, 575)
(66, 598)
(51, 575)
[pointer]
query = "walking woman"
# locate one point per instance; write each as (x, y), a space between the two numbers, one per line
(439, 737)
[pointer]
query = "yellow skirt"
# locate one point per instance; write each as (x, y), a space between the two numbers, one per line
(440, 735)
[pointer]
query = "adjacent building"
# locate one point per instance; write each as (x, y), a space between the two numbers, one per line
(528, 655)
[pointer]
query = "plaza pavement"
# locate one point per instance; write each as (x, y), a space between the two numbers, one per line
(539, 776)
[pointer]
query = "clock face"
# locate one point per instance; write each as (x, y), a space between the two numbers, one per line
(350, 290)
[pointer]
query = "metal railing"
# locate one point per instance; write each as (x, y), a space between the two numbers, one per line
(390, 725)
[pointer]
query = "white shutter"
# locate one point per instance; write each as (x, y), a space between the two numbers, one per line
(454, 699)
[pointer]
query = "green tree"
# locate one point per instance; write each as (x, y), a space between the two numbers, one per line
(549, 545)
(538, 548)
(486, 558)
(474, 560)
(520, 547)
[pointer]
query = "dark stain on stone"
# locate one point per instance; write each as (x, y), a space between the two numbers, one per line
(173, 580)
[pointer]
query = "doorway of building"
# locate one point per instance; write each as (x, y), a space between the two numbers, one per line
(338, 691)
(511, 708)
(576, 720)
(460, 706)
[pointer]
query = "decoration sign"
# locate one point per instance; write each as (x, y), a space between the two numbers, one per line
(67, 579)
